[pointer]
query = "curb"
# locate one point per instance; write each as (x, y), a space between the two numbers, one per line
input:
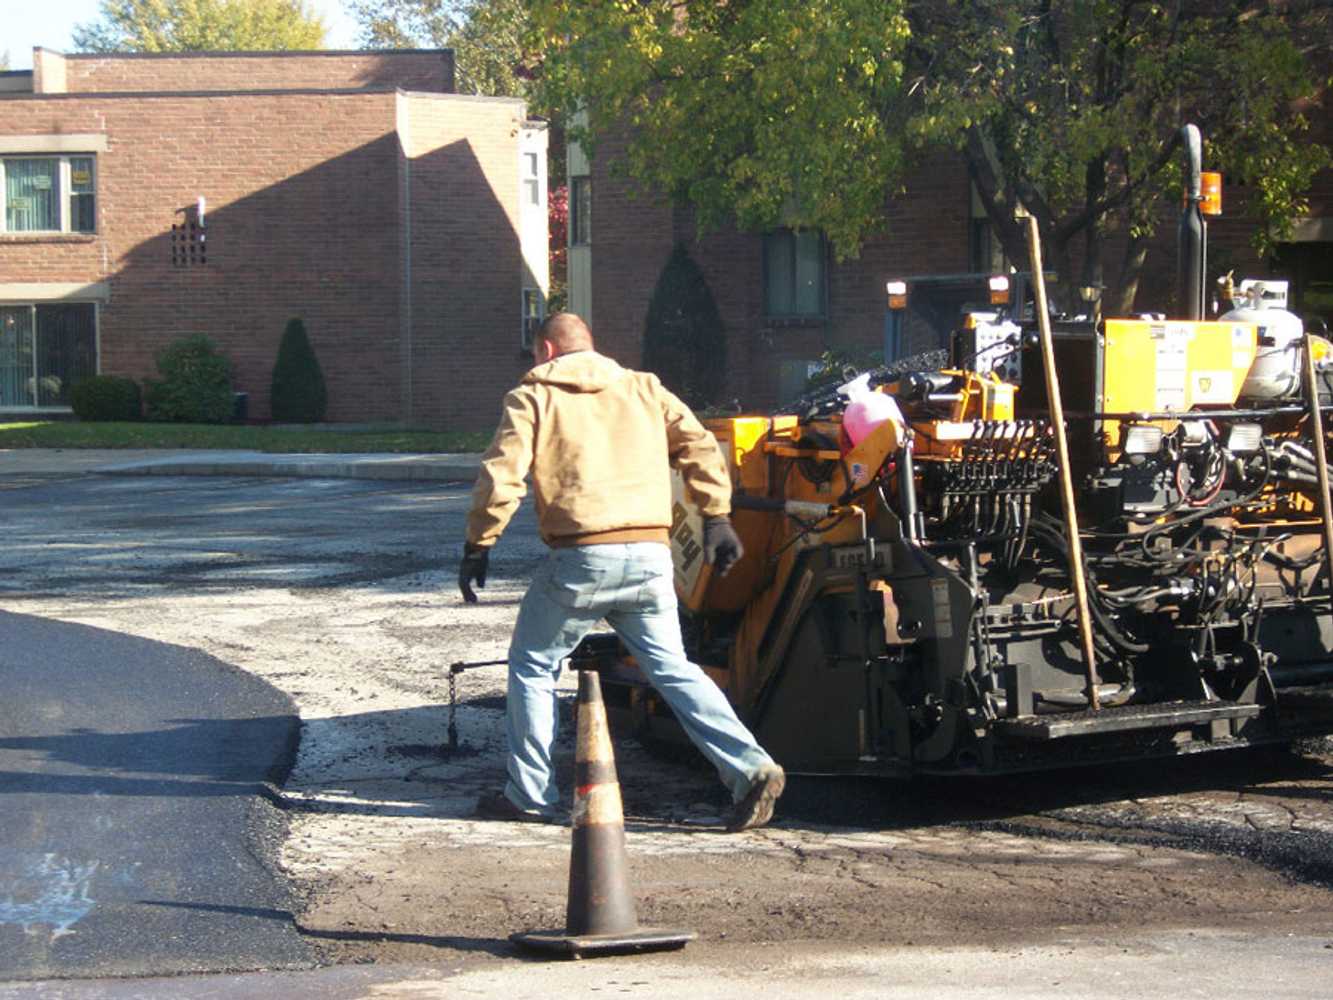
(302, 470)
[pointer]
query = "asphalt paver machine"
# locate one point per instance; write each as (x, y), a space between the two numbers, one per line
(908, 599)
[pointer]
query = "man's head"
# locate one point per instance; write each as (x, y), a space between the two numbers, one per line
(561, 333)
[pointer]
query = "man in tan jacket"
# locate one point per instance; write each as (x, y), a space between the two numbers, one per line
(599, 441)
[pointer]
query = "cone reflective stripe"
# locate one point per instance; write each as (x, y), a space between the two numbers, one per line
(599, 915)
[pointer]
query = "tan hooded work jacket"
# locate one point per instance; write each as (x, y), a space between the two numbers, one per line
(599, 441)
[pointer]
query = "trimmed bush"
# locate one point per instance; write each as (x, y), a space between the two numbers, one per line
(684, 341)
(298, 394)
(195, 387)
(106, 397)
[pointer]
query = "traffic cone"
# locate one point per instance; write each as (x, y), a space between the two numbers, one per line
(599, 915)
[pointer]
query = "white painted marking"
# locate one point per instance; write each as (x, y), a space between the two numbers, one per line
(46, 890)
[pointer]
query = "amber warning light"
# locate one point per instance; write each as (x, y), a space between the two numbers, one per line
(1210, 190)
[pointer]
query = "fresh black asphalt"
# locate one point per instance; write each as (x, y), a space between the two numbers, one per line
(137, 834)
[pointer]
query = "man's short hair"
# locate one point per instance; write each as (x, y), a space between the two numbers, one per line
(567, 332)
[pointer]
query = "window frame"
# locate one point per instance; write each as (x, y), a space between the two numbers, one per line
(795, 315)
(64, 193)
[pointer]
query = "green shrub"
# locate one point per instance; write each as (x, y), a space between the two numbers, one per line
(684, 341)
(106, 397)
(195, 387)
(298, 394)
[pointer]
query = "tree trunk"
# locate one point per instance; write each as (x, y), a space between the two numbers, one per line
(998, 201)
(1119, 300)
(1094, 189)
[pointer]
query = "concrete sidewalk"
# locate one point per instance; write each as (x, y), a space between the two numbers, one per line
(163, 462)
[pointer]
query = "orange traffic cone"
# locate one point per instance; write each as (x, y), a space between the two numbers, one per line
(599, 916)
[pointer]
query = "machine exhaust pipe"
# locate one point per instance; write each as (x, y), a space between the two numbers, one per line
(1192, 234)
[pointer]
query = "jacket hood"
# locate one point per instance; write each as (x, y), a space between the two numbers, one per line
(582, 371)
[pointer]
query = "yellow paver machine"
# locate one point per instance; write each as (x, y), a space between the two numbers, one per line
(910, 600)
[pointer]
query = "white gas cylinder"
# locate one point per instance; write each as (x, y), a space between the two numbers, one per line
(1276, 371)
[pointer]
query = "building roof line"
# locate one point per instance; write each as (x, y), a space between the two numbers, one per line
(480, 98)
(94, 95)
(241, 54)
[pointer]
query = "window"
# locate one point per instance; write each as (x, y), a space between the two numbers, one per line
(580, 211)
(794, 274)
(534, 311)
(1309, 268)
(44, 350)
(984, 253)
(48, 194)
(532, 185)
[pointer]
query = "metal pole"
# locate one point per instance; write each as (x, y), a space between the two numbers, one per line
(1062, 453)
(1320, 459)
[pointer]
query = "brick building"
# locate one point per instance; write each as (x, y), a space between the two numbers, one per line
(151, 196)
(785, 300)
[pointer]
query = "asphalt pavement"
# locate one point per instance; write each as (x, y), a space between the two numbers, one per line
(172, 804)
(136, 835)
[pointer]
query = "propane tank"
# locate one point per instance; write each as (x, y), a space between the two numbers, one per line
(1276, 372)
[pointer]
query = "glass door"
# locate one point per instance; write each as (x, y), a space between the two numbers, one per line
(66, 349)
(18, 357)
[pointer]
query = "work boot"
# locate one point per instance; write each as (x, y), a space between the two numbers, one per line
(755, 808)
(496, 805)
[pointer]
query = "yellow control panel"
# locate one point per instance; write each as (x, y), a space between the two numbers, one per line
(1152, 366)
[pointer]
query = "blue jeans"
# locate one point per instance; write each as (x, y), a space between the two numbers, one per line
(630, 585)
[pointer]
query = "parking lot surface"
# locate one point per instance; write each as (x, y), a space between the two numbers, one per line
(341, 594)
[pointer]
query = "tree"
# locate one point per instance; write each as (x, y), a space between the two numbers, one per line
(297, 394)
(485, 35)
(557, 237)
(201, 25)
(684, 341)
(195, 387)
(807, 113)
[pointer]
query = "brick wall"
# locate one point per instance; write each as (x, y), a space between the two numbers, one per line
(633, 233)
(302, 220)
(466, 263)
(632, 236)
(428, 70)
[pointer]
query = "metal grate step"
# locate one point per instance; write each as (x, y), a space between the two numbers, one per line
(1163, 715)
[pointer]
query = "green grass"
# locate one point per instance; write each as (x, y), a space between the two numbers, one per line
(327, 438)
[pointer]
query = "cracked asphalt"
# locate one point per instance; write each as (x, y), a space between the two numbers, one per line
(340, 593)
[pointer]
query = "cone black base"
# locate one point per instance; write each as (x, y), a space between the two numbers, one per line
(625, 942)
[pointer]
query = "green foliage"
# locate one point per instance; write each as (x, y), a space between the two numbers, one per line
(806, 112)
(201, 25)
(485, 35)
(106, 397)
(298, 394)
(684, 341)
(195, 387)
(774, 112)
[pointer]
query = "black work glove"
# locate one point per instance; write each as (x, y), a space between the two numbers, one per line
(722, 546)
(472, 568)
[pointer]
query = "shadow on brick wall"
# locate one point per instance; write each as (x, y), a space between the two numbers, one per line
(407, 274)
